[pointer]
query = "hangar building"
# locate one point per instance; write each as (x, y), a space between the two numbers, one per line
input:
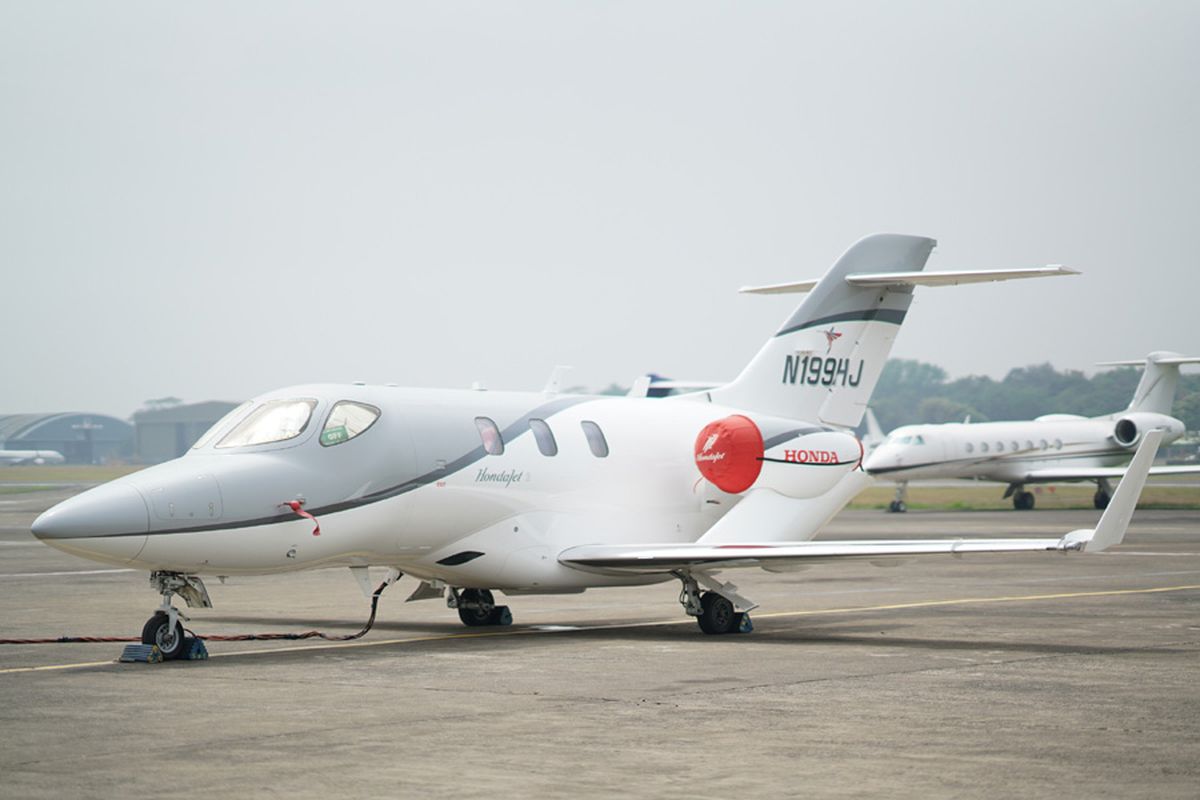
(165, 433)
(81, 438)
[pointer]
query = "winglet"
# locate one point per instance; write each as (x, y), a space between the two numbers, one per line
(1115, 519)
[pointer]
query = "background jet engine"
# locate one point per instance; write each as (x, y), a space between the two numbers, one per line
(1130, 429)
(738, 453)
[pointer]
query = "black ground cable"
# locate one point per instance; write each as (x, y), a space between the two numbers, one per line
(244, 637)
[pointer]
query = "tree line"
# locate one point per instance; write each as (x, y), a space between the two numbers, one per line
(911, 392)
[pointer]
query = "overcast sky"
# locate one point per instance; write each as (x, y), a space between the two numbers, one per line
(211, 200)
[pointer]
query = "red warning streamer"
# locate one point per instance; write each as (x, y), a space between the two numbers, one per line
(298, 507)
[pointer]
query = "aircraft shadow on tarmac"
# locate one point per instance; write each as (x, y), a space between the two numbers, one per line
(847, 632)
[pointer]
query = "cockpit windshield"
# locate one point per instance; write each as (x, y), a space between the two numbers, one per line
(273, 421)
(221, 424)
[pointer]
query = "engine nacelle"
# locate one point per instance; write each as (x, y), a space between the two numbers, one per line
(734, 455)
(1129, 429)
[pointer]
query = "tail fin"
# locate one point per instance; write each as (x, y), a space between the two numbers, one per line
(1156, 390)
(826, 359)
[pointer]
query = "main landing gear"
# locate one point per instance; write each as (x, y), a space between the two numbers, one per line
(720, 610)
(1103, 494)
(1021, 499)
(165, 628)
(898, 505)
(477, 607)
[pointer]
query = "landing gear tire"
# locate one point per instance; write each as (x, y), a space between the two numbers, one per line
(1100, 499)
(897, 507)
(717, 614)
(1023, 501)
(477, 608)
(157, 631)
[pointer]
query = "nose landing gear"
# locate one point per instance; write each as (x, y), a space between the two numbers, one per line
(164, 629)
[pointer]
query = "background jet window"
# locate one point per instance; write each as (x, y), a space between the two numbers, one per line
(1058, 444)
(970, 447)
(919, 440)
(1028, 445)
(999, 447)
(221, 424)
(490, 434)
(1015, 447)
(347, 420)
(544, 437)
(595, 438)
(274, 421)
(1044, 444)
(983, 447)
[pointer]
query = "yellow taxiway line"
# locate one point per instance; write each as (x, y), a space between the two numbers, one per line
(308, 648)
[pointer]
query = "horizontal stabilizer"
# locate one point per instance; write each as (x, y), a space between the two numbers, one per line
(1138, 362)
(949, 278)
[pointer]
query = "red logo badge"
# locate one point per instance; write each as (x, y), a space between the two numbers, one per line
(831, 336)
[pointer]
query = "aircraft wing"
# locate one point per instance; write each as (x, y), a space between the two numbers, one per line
(624, 559)
(665, 558)
(1095, 473)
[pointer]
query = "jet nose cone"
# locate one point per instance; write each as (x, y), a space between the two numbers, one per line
(108, 510)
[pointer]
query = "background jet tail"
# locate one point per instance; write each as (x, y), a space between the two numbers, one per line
(824, 362)
(1156, 390)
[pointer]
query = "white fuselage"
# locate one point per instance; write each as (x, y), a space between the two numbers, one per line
(416, 491)
(1007, 452)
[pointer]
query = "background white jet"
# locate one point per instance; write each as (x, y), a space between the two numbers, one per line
(1050, 449)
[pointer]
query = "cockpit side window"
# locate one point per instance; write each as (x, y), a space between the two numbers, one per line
(273, 421)
(347, 420)
(919, 440)
(221, 424)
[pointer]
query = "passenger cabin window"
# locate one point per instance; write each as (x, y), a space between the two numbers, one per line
(273, 421)
(347, 420)
(970, 447)
(544, 437)
(1015, 447)
(221, 424)
(1028, 445)
(999, 447)
(490, 434)
(595, 438)
(1044, 444)
(983, 448)
(1058, 444)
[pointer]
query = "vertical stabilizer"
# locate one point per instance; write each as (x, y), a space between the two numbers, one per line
(824, 362)
(1156, 389)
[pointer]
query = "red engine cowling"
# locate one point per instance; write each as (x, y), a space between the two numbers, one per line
(731, 453)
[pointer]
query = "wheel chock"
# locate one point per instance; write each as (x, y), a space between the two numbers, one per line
(505, 616)
(194, 650)
(141, 653)
(746, 625)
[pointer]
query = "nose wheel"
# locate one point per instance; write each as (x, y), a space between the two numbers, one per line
(159, 631)
(165, 628)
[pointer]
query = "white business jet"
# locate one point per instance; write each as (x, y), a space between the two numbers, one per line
(1050, 449)
(15, 458)
(543, 493)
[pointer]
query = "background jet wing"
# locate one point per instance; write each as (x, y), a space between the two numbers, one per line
(1095, 473)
